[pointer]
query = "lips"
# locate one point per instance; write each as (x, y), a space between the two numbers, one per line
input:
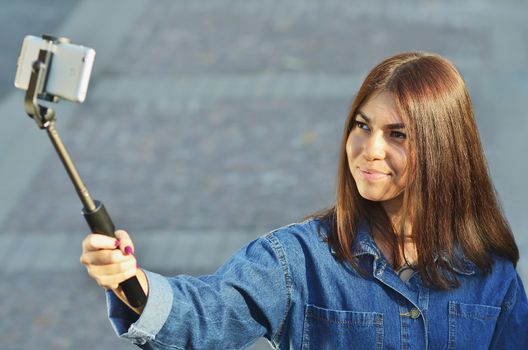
(372, 174)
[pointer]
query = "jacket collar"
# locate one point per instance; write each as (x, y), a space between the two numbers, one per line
(364, 244)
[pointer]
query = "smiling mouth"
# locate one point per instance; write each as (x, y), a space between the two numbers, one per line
(372, 174)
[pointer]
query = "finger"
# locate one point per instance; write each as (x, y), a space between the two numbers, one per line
(125, 242)
(103, 257)
(113, 269)
(95, 241)
(113, 281)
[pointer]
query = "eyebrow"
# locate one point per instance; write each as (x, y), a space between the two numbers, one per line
(388, 126)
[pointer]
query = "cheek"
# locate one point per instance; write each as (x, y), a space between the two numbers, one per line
(353, 146)
(401, 165)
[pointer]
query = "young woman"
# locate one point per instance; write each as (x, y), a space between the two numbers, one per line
(415, 253)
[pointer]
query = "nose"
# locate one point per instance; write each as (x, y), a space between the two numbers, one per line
(374, 147)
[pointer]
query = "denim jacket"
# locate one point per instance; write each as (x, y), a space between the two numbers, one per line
(288, 287)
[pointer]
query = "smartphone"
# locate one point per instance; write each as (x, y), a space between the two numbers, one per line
(69, 74)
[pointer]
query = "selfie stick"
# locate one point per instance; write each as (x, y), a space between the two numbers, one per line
(94, 211)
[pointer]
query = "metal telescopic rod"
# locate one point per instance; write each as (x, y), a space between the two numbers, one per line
(81, 189)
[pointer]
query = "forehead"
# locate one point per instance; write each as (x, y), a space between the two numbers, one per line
(381, 108)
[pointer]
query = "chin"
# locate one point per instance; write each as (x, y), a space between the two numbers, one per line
(375, 196)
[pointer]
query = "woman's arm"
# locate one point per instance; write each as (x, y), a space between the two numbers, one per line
(247, 298)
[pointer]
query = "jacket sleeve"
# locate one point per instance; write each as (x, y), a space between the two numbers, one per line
(512, 327)
(247, 298)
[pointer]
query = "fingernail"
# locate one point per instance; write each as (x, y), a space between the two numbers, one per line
(128, 250)
(116, 243)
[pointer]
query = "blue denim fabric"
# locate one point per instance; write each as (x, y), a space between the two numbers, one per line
(288, 287)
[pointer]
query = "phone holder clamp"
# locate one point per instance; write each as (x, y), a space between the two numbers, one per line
(42, 115)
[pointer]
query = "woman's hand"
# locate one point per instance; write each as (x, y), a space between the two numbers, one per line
(110, 261)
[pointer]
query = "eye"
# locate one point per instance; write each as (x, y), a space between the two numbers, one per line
(361, 125)
(398, 135)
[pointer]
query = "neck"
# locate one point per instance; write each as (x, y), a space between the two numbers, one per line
(394, 210)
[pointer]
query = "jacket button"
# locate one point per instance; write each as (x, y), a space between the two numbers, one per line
(414, 313)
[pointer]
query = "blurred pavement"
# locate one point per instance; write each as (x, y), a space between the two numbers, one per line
(209, 123)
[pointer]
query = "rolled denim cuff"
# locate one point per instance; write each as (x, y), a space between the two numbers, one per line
(141, 328)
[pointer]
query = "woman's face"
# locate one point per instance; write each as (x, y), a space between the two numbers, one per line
(377, 150)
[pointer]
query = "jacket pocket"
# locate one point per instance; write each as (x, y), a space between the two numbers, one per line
(471, 326)
(336, 329)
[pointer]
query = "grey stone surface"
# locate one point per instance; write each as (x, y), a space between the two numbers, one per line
(208, 123)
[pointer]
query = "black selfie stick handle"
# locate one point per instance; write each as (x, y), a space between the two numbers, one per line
(100, 222)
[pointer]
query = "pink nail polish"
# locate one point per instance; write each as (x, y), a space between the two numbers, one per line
(128, 250)
(116, 243)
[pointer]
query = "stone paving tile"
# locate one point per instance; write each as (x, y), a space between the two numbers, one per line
(59, 311)
(192, 90)
(186, 39)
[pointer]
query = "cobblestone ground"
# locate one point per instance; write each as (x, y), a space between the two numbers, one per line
(216, 121)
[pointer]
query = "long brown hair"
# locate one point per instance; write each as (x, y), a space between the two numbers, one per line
(449, 199)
